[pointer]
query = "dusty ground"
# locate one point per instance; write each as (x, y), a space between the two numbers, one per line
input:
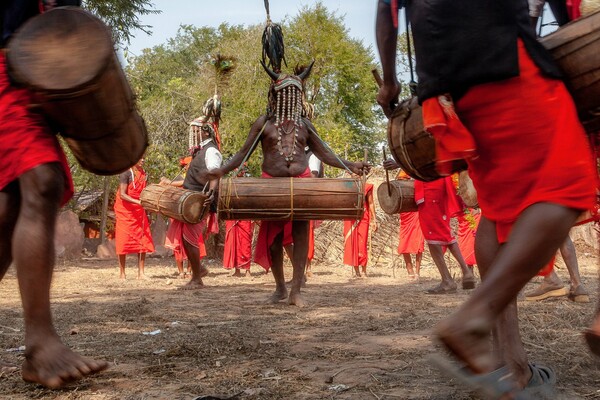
(358, 339)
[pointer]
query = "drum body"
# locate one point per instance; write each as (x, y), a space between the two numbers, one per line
(287, 199)
(66, 58)
(398, 198)
(466, 190)
(576, 49)
(411, 145)
(181, 204)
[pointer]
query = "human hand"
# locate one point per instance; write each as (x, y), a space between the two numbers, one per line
(388, 97)
(209, 199)
(360, 168)
(374, 226)
(390, 164)
(164, 181)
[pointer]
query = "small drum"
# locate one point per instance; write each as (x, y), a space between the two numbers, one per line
(411, 145)
(181, 204)
(576, 49)
(66, 58)
(287, 199)
(398, 197)
(466, 190)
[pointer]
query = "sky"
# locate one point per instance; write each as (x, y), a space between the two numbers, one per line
(359, 17)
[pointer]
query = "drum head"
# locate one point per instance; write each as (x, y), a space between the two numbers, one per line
(63, 49)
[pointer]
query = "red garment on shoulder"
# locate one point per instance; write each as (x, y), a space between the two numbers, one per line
(270, 229)
(132, 228)
(238, 244)
(26, 141)
(356, 236)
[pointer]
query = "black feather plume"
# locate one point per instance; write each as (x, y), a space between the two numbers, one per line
(273, 48)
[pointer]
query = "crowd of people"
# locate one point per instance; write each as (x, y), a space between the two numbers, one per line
(496, 76)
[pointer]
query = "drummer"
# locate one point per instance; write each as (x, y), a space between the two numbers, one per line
(206, 156)
(284, 132)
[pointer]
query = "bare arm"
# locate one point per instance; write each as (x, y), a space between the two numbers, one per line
(372, 210)
(324, 154)
(125, 196)
(387, 38)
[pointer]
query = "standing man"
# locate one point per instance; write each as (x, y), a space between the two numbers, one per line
(132, 228)
(356, 235)
(495, 77)
(410, 239)
(35, 182)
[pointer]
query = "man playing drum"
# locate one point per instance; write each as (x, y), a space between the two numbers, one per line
(284, 132)
(480, 62)
(34, 182)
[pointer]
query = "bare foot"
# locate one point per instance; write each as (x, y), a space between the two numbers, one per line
(54, 365)
(277, 296)
(193, 284)
(309, 273)
(122, 276)
(203, 271)
(237, 273)
(468, 339)
(296, 299)
(181, 275)
(143, 277)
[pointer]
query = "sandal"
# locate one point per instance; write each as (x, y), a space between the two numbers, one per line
(541, 384)
(579, 295)
(469, 283)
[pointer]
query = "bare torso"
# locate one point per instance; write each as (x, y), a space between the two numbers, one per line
(293, 142)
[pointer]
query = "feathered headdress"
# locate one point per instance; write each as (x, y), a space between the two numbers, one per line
(273, 48)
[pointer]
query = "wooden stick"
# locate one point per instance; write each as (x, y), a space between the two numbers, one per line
(377, 77)
(387, 175)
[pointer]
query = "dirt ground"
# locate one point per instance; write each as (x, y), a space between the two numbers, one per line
(357, 339)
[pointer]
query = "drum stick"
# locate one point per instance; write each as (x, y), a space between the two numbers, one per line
(377, 77)
(387, 175)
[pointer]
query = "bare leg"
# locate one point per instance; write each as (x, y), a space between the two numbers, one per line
(356, 271)
(9, 210)
(418, 259)
(437, 253)
(141, 264)
(535, 237)
(300, 235)
(507, 345)
(179, 264)
(237, 273)
(409, 265)
(277, 268)
(308, 270)
(198, 270)
(468, 278)
(47, 361)
(122, 259)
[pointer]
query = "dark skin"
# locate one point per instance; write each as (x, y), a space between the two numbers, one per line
(277, 166)
(506, 268)
(28, 210)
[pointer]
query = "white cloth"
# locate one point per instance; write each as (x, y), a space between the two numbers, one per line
(212, 157)
(314, 164)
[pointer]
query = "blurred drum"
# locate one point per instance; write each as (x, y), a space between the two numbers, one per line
(398, 197)
(411, 145)
(287, 199)
(66, 58)
(466, 190)
(576, 49)
(181, 204)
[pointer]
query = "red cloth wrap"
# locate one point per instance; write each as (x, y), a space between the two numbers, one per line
(132, 230)
(529, 123)
(173, 239)
(356, 236)
(411, 240)
(466, 235)
(27, 142)
(435, 209)
(270, 229)
(238, 244)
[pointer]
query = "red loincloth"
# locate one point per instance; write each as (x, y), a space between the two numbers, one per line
(132, 228)
(356, 236)
(411, 240)
(466, 235)
(311, 241)
(531, 125)
(27, 142)
(435, 210)
(238, 244)
(269, 230)
(173, 239)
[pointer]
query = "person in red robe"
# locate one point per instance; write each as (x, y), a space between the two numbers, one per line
(468, 220)
(132, 228)
(35, 182)
(356, 236)
(238, 246)
(410, 239)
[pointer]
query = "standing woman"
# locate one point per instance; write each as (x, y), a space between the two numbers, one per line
(132, 232)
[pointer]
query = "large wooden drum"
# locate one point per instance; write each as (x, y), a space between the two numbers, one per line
(181, 204)
(576, 49)
(286, 199)
(398, 197)
(66, 57)
(411, 145)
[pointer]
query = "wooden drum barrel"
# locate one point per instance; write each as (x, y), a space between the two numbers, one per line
(181, 204)
(287, 199)
(576, 49)
(66, 58)
(411, 145)
(400, 197)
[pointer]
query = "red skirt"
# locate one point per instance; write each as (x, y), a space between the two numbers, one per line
(411, 240)
(238, 244)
